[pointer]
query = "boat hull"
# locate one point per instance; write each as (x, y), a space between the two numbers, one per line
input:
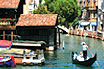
(5, 62)
(88, 62)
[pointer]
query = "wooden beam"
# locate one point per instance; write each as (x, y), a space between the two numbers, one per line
(11, 35)
(4, 27)
(3, 35)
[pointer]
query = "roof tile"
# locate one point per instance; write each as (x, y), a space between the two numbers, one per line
(37, 20)
(9, 3)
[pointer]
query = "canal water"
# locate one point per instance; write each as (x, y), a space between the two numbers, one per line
(61, 58)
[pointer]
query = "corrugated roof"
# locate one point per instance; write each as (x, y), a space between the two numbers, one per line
(37, 20)
(9, 3)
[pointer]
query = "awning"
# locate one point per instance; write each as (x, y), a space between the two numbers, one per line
(94, 23)
(5, 44)
(84, 23)
(76, 22)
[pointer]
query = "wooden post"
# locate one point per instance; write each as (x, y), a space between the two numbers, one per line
(59, 36)
(63, 44)
(11, 35)
(3, 35)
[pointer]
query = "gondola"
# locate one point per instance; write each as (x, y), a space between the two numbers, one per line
(88, 62)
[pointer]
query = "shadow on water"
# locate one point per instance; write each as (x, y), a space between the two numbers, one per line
(76, 66)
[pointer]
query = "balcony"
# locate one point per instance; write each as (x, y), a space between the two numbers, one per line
(7, 21)
(92, 8)
(7, 24)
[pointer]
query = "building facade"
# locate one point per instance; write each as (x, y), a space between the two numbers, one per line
(9, 14)
(101, 15)
(32, 5)
(89, 12)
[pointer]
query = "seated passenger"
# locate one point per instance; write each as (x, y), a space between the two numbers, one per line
(80, 57)
(75, 56)
(81, 54)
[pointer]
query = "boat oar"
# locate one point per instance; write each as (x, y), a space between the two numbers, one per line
(92, 56)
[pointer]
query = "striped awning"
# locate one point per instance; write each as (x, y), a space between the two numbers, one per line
(84, 23)
(94, 23)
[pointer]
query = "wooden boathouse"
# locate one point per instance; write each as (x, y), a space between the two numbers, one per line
(10, 11)
(38, 27)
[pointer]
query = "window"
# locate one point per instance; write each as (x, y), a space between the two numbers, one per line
(94, 0)
(40, 1)
(103, 6)
(88, 1)
(80, 2)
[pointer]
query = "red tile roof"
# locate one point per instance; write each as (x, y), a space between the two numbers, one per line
(37, 20)
(9, 3)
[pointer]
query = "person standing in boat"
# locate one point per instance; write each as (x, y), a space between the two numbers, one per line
(84, 46)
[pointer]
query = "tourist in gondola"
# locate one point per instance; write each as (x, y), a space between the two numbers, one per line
(75, 56)
(84, 46)
(81, 54)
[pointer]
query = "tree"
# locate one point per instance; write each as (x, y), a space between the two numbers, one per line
(66, 9)
(41, 10)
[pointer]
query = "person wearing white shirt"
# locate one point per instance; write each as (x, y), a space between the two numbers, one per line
(75, 55)
(84, 46)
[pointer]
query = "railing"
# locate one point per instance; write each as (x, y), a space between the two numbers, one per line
(94, 34)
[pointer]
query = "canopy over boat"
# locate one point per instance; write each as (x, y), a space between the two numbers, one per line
(5, 44)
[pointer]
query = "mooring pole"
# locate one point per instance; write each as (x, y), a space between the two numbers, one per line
(63, 44)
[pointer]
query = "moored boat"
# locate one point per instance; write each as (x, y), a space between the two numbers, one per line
(32, 59)
(88, 62)
(7, 62)
(5, 44)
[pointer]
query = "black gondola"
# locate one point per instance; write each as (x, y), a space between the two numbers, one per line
(88, 62)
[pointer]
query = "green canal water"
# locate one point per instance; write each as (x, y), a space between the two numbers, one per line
(61, 59)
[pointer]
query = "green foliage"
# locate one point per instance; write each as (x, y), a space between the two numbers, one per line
(41, 10)
(66, 9)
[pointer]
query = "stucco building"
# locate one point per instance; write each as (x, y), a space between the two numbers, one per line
(89, 12)
(101, 15)
(32, 5)
(10, 11)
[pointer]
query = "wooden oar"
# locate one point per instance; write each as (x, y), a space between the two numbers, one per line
(92, 56)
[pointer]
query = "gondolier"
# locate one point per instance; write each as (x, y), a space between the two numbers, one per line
(84, 46)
